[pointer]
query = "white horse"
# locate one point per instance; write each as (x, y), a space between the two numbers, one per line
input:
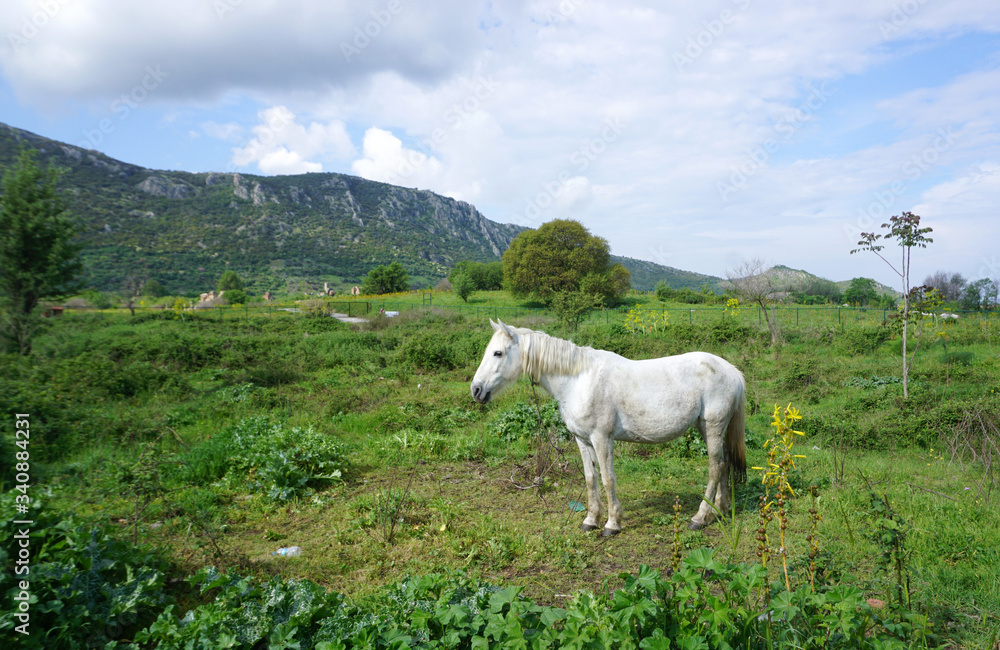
(605, 397)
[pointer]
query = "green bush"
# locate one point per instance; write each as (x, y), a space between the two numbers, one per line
(862, 340)
(960, 358)
(97, 299)
(430, 352)
(281, 462)
(729, 331)
(236, 296)
(521, 421)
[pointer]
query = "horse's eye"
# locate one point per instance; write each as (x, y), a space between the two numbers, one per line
(498, 353)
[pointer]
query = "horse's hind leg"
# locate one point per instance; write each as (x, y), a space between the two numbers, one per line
(717, 491)
(593, 495)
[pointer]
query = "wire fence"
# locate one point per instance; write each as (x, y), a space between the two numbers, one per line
(786, 316)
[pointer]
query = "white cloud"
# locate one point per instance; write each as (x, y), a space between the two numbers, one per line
(93, 51)
(280, 145)
(507, 104)
(384, 158)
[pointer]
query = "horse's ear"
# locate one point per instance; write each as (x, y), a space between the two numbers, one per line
(507, 329)
(496, 328)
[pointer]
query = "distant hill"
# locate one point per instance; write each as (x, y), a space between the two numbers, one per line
(793, 279)
(645, 276)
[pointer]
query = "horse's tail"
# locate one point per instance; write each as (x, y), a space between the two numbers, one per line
(736, 435)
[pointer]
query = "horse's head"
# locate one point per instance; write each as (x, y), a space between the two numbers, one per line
(501, 364)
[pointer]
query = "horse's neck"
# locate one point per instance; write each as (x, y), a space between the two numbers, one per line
(560, 374)
(559, 386)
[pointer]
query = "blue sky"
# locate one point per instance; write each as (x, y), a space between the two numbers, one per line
(695, 136)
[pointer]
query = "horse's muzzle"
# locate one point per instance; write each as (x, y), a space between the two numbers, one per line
(480, 395)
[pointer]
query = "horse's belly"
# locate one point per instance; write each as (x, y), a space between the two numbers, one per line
(653, 427)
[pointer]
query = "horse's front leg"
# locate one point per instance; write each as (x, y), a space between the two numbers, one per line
(593, 496)
(604, 448)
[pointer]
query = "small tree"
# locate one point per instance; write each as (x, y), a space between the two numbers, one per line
(862, 292)
(906, 230)
(131, 290)
(153, 289)
(386, 279)
(230, 280)
(485, 277)
(38, 258)
(571, 306)
(462, 285)
(752, 283)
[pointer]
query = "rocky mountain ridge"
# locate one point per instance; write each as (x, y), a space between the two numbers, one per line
(281, 232)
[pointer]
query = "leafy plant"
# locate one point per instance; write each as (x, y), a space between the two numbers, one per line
(86, 589)
(280, 461)
(890, 532)
(521, 421)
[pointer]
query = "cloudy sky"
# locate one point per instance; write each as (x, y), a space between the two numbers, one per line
(689, 134)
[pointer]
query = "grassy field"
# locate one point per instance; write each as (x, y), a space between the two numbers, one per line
(216, 438)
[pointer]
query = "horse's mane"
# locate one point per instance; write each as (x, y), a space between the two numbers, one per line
(541, 353)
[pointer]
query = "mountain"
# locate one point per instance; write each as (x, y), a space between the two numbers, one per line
(278, 232)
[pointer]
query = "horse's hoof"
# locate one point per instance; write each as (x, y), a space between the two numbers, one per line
(610, 532)
(587, 527)
(695, 526)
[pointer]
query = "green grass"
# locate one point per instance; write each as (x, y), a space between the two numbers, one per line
(131, 418)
